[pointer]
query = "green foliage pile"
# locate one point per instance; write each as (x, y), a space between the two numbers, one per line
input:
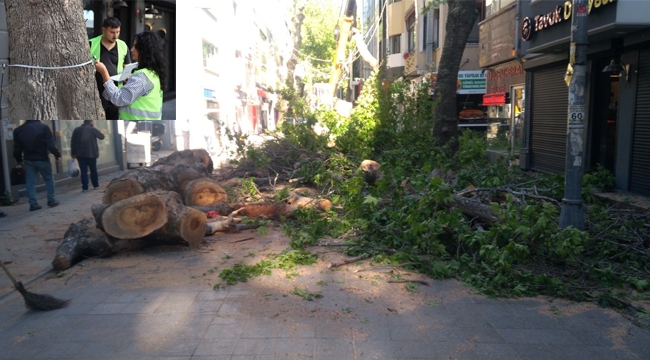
(406, 216)
(287, 261)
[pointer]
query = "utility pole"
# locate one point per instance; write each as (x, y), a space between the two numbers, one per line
(572, 212)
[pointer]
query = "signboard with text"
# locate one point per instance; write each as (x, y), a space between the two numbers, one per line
(471, 82)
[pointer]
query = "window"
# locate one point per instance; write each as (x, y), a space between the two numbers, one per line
(493, 6)
(410, 33)
(210, 56)
(395, 44)
(424, 32)
(473, 35)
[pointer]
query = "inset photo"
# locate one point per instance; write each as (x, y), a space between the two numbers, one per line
(90, 59)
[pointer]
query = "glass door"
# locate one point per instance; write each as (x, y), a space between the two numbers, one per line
(518, 97)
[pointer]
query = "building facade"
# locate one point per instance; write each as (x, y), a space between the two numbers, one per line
(229, 80)
(617, 94)
(505, 98)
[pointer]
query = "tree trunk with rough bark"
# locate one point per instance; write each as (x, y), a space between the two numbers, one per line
(82, 240)
(189, 158)
(50, 33)
(460, 20)
(137, 181)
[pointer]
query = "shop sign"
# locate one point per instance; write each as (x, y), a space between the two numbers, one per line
(471, 82)
(494, 99)
(500, 78)
(209, 94)
(558, 15)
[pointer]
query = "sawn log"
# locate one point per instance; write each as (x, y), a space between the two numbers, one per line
(135, 182)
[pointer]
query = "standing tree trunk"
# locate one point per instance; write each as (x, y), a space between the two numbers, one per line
(50, 33)
(461, 19)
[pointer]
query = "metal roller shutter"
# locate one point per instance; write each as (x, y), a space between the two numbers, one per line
(548, 120)
(640, 169)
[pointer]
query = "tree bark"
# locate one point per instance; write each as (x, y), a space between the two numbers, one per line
(35, 29)
(137, 181)
(183, 174)
(363, 50)
(461, 19)
(189, 158)
(81, 240)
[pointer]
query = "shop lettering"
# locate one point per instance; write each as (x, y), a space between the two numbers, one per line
(558, 15)
(504, 73)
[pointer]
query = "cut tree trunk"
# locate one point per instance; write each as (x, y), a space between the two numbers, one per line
(278, 211)
(135, 217)
(137, 181)
(188, 157)
(183, 174)
(203, 192)
(185, 224)
(50, 94)
(81, 240)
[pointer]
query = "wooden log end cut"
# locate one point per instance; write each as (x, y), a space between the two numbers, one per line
(121, 189)
(135, 217)
(193, 227)
(204, 192)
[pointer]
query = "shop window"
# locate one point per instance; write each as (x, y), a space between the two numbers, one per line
(395, 44)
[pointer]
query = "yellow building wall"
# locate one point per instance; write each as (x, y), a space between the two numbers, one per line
(395, 14)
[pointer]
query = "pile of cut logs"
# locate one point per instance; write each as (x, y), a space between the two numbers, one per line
(167, 204)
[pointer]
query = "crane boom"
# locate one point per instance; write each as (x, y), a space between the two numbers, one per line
(342, 36)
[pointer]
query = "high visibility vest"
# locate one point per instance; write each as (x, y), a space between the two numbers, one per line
(122, 50)
(148, 107)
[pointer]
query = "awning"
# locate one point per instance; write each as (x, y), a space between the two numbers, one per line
(498, 98)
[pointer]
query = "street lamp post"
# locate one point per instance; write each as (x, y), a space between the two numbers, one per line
(572, 212)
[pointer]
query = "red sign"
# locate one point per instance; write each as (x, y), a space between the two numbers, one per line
(581, 10)
(494, 99)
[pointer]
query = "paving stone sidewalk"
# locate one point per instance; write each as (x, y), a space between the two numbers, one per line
(158, 303)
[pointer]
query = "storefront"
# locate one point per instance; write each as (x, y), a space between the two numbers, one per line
(110, 154)
(469, 98)
(505, 102)
(505, 97)
(617, 130)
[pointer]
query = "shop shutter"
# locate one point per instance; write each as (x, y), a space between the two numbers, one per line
(640, 169)
(548, 120)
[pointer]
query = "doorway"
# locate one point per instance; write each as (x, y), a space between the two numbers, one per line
(605, 117)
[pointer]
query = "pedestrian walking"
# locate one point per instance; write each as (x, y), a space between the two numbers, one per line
(84, 148)
(141, 98)
(114, 54)
(32, 141)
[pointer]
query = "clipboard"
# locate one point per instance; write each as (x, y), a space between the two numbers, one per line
(128, 69)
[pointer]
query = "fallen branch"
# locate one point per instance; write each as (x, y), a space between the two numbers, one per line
(242, 240)
(349, 261)
(408, 281)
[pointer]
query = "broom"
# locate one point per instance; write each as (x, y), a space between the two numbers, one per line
(35, 301)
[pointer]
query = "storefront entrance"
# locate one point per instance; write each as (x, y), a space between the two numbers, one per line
(605, 116)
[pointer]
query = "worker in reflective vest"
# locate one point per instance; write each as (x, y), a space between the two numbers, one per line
(141, 96)
(112, 52)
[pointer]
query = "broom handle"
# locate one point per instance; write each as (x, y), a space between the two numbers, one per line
(8, 273)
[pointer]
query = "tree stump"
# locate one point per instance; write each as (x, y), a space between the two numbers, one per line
(188, 157)
(203, 192)
(137, 181)
(81, 240)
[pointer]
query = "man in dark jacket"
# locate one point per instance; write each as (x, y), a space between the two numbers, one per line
(34, 139)
(86, 151)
